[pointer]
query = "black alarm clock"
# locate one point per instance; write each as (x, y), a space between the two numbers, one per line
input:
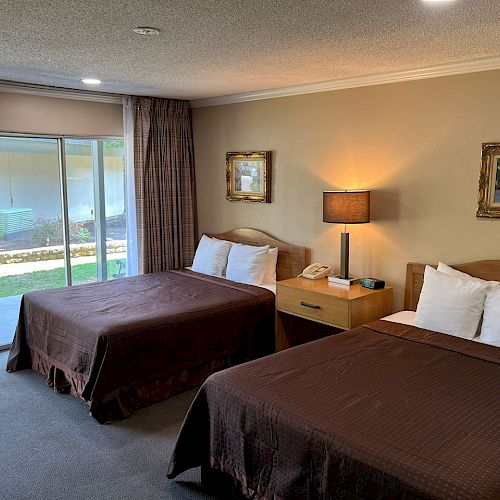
(372, 283)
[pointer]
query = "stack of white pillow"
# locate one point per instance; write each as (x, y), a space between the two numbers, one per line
(454, 302)
(242, 263)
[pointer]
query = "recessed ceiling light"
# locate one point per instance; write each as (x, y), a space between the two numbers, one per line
(91, 81)
(143, 30)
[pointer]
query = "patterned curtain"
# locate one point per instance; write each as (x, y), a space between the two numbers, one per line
(164, 184)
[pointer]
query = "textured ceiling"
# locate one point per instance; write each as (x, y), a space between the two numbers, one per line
(219, 47)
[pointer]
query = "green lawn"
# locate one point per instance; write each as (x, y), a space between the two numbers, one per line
(54, 278)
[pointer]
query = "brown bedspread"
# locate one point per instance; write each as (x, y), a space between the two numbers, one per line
(382, 411)
(123, 344)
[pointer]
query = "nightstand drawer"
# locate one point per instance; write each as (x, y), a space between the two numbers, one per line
(313, 305)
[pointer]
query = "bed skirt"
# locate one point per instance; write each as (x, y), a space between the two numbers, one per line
(124, 401)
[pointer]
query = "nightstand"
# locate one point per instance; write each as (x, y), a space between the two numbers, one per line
(310, 309)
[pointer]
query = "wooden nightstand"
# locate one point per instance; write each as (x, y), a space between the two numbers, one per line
(338, 307)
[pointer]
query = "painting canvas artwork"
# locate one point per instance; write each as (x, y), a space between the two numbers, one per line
(488, 204)
(248, 176)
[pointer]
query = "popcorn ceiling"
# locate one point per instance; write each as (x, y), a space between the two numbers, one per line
(219, 47)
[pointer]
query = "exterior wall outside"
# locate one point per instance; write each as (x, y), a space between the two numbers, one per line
(416, 145)
(31, 180)
(81, 187)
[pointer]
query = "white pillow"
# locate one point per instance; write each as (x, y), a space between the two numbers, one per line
(247, 264)
(450, 304)
(272, 260)
(443, 268)
(453, 272)
(230, 243)
(211, 256)
(490, 331)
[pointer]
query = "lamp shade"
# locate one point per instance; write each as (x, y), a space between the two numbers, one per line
(346, 207)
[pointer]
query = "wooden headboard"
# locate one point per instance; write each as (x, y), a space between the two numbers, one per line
(484, 269)
(291, 258)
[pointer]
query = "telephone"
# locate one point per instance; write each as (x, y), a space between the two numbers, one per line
(315, 271)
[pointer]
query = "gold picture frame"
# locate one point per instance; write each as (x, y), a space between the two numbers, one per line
(488, 204)
(248, 176)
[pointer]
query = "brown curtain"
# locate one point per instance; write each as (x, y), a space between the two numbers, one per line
(164, 184)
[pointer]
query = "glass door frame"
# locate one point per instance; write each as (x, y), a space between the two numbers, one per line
(99, 210)
(63, 193)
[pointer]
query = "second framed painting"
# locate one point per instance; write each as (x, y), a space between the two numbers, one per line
(248, 176)
(489, 182)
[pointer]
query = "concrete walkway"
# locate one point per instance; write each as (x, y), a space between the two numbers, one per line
(46, 265)
(9, 313)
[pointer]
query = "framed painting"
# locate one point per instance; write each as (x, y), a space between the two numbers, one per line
(488, 204)
(248, 176)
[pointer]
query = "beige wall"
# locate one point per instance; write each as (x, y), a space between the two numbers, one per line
(51, 115)
(416, 145)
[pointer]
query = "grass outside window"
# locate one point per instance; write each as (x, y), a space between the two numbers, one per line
(54, 278)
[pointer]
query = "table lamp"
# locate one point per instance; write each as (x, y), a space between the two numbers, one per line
(346, 207)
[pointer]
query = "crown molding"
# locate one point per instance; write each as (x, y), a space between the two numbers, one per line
(47, 91)
(354, 82)
(474, 66)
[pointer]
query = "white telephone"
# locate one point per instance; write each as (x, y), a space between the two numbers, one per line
(315, 271)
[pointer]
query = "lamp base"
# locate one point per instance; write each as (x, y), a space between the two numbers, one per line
(343, 281)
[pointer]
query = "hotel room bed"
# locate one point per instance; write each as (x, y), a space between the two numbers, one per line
(123, 344)
(386, 410)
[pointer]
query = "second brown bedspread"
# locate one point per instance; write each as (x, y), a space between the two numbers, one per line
(382, 411)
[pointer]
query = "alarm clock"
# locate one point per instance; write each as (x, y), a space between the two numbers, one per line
(372, 283)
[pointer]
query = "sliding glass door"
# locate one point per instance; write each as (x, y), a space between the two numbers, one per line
(62, 216)
(31, 229)
(95, 180)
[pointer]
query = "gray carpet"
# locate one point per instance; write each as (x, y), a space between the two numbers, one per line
(50, 448)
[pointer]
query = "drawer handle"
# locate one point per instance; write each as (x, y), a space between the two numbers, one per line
(312, 306)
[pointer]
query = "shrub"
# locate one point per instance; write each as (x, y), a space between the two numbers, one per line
(84, 235)
(49, 232)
